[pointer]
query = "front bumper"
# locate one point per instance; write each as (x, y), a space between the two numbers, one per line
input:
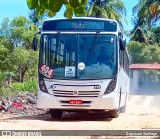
(102, 102)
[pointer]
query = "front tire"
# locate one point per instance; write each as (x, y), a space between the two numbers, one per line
(114, 113)
(123, 109)
(56, 113)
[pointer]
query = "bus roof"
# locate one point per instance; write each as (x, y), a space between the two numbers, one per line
(95, 18)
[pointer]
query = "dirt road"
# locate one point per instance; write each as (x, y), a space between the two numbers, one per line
(143, 112)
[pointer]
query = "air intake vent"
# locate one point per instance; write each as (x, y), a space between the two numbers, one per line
(62, 93)
(76, 90)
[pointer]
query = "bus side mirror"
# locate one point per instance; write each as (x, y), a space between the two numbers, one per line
(122, 44)
(35, 43)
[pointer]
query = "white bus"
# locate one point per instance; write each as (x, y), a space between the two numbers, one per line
(83, 66)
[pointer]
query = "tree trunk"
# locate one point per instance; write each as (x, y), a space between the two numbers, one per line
(20, 75)
(23, 73)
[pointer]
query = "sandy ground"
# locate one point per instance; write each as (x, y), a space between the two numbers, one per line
(143, 112)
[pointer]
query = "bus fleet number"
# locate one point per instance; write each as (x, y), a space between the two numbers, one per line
(45, 70)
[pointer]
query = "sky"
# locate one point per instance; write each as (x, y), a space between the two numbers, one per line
(15, 8)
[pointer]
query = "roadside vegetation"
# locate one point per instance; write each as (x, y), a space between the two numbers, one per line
(18, 62)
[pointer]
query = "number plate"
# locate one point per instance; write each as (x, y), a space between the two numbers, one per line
(75, 102)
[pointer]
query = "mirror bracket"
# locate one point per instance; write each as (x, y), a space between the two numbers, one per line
(35, 43)
(122, 42)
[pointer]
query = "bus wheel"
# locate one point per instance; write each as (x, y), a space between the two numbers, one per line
(114, 113)
(123, 109)
(56, 113)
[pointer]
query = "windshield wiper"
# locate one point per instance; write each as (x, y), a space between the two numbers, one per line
(93, 45)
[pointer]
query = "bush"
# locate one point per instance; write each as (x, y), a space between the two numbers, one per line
(30, 86)
(6, 92)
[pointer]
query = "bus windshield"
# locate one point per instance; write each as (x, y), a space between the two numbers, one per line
(79, 56)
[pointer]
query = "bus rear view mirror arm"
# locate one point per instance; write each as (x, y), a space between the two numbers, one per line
(122, 44)
(35, 43)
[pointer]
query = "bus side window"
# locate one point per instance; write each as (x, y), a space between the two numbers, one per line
(121, 58)
(124, 61)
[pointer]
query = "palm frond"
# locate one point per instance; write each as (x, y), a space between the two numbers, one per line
(113, 9)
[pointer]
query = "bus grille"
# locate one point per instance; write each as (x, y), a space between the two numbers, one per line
(62, 93)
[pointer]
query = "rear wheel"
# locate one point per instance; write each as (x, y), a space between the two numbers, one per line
(56, 113)
(123, 109)
(115, 113)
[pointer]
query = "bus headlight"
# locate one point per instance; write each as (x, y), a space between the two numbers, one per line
(111, 86)
(42, 85)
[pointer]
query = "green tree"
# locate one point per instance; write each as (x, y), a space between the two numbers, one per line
(22, 32)
(4, 58)
(142, 35)
(76, 7)
(22, 61)
(5, 74)
(15, 53)
(148, 11)
(35, 18)
(143, 53)
(113, 9)
(156, 31)
(135, 51)
(18, 32)
(5, 34)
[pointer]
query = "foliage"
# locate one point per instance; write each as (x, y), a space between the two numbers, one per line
(113, 9)
(23, 60)
(148, 11)
(30, 86)
(18, 62)
(18, 32)
(144, 34)
(4, 58)
(15, 53)
(1, 78)
(5, 76)
(143, 53)
(36, 19)
(5, 28)
(76, 7)
(156, 31)
(147, 15)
